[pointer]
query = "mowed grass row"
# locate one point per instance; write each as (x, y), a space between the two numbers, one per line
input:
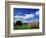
(24, 26)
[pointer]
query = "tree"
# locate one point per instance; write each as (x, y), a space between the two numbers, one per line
(18, 23)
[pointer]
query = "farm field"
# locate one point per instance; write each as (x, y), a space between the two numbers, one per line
(25, 26)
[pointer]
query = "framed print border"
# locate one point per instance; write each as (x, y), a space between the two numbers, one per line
(7, 18)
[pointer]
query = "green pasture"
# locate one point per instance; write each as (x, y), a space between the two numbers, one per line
(24, 26)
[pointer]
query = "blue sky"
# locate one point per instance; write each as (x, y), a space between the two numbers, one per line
(26, 14)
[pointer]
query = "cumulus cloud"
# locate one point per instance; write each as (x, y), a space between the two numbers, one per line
(37, 13)
(25, 17)
(29, 15)
(18, 16)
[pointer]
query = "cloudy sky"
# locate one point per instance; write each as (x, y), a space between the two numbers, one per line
(26, 15)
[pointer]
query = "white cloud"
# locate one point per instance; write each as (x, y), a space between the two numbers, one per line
(37, 13)
(25, 17)
(30, 15)
(18, 16)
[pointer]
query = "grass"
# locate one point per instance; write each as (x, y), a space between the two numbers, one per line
(24, 26)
